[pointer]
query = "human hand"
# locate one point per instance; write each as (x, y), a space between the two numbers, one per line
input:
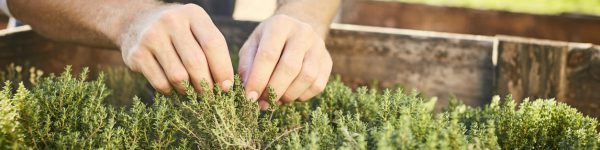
(287, 55)
(176, 43)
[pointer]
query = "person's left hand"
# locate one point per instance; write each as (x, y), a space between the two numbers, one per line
(288, 55)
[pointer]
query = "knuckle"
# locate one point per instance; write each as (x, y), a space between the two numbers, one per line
(150, 35)
(162, 87)
(290, 69)
(214, 42)
(268, 56)
(192, 63)
(317, 88)
(308, 75)
(178, 77)
(287, 98)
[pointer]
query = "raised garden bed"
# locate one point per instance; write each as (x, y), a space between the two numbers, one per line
(471, 68)
(73, 112)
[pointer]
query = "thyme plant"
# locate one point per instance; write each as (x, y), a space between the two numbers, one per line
(68, 112)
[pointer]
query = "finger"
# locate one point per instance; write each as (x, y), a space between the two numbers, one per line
(168, 59)
(246, 56)
(214, 46)
(290, 63)
(267, 55)
(192, 57)
(144, 62)
(308, 74)
(321, 81)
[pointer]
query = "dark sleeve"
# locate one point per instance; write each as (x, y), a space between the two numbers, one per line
(221, 8)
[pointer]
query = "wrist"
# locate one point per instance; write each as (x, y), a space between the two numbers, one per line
(125, 22)
(318, 23)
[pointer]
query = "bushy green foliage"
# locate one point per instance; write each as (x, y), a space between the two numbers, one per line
(66, 112)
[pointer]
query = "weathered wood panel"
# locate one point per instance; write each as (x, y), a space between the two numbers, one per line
(27, 47)
(437, 64)
(569, 72)
(530, 69)
(583, 78)
(567, 27)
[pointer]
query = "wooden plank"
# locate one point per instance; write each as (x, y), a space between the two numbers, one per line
(568, 27)
(583, 78)
(23, 46)
(569, 72)
(530, 68)
(437, 64)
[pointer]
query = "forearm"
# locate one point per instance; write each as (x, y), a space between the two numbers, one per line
(317, 13)
(95, 23)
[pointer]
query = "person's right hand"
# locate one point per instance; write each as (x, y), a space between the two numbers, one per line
(177, 43)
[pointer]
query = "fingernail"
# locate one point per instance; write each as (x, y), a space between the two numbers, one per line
(253, 96)
(226, 85)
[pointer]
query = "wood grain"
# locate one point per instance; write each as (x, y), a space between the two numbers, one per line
(530, 69)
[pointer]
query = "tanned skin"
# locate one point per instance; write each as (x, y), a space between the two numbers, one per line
(173, 43)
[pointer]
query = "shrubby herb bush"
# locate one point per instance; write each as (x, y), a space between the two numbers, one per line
(67, 112)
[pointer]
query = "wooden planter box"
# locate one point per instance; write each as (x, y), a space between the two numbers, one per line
(566, 27)
(472, 68)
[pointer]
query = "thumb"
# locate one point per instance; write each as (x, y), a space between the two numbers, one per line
(246, 57)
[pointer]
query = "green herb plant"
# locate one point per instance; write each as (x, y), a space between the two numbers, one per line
(68, 112)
